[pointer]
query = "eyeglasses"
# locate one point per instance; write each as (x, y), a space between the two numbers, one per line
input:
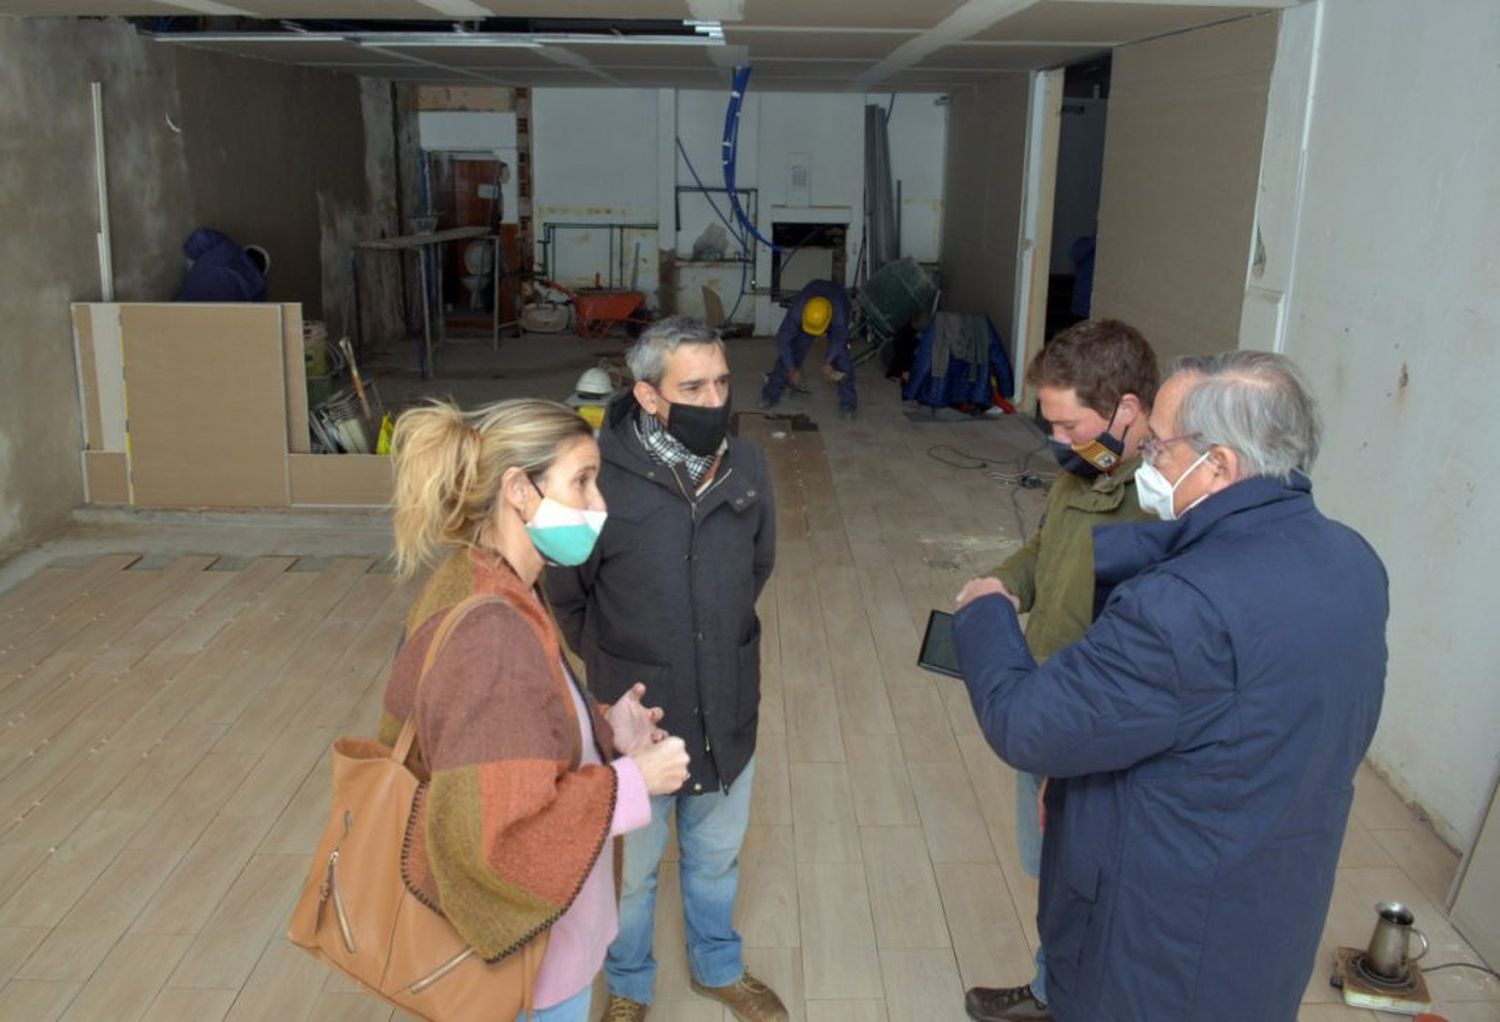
(1152, 447)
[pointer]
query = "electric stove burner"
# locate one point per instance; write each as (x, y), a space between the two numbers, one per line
(1398, 984)
(1363, 988)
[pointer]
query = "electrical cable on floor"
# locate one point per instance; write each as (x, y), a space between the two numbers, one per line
(1020, 478)
(1461, 965)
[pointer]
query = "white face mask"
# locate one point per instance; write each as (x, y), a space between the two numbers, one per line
(562, 534)
(1158, 496)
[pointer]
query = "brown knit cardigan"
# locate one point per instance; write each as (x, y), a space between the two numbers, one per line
(508, 825)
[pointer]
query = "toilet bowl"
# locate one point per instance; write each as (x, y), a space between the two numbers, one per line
(479, 265)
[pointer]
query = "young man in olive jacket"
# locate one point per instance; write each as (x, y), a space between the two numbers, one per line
(668, 599)
(1095, 383)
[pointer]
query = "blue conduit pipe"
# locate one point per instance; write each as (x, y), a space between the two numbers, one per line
(730, 152)
(733, 233)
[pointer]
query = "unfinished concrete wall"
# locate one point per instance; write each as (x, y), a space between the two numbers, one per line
(266, 152)
(985, 182)
(1181, 164)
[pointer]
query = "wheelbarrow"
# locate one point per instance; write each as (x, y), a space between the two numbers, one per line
(595, 311)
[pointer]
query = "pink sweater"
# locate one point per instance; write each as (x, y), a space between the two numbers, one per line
(575, 952)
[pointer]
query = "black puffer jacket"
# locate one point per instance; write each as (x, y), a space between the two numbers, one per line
(668, 597)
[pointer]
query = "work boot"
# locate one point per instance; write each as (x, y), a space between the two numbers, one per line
(748, 1000)
(1005, 1004)
(623, 1009)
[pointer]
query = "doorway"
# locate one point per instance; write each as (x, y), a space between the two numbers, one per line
(466, 190)
(1075, 202)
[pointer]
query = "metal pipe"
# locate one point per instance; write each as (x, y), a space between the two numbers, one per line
(106, 259)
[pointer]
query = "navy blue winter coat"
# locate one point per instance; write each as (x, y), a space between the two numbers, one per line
(1203, 738)
(668, 596)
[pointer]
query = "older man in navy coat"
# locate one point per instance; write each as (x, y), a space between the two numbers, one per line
(1202, 738)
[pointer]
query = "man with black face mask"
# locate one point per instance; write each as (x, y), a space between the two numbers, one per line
(1095, 383)
(668, 599)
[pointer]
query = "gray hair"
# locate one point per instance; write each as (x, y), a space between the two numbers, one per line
(647, 358)
(1257, 404)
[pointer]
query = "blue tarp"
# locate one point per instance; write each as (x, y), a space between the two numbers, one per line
(962, 383)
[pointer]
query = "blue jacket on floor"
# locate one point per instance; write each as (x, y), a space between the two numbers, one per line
(1202, 739)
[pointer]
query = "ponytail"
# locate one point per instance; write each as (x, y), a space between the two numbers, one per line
(449, 464)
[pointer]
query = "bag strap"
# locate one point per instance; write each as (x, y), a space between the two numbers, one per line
(456, 614)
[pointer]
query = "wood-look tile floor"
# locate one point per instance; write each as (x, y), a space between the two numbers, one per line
(164, 725)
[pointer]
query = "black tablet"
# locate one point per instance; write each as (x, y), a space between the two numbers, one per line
(938, 652)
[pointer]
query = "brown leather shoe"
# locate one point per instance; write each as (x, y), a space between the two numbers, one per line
(623, 1009)
(748, 1000)
(1005, 1004)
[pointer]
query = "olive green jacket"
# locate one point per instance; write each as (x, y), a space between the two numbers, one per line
(1053, 574)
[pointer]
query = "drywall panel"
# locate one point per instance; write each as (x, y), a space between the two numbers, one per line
(1181, 168)
(359, 480)
(299, 440)
(88, 383)
(109, 377)
(207, 403)
(985, 182)
(1393, 315)
(106, 477)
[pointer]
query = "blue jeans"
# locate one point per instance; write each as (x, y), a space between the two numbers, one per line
(792, 357)
(574, 1009)
(1029, 850)
(710, 830)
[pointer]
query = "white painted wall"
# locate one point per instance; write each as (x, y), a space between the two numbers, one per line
(1390, 279)
(610, 154)
(463, 131)
(596, 160)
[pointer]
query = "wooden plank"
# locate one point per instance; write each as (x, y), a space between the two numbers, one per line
(207, 405)
(34, 604)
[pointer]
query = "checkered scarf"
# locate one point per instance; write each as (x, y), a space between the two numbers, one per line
(666, 449)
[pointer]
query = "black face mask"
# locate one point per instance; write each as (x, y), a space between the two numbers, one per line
(1090, 460)
(701, 430)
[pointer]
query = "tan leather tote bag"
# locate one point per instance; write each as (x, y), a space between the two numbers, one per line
(355, 912)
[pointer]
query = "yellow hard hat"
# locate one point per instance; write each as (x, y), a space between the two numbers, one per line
(816, 315)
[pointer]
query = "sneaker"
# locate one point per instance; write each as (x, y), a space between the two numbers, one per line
(1005, 1004)
(848, 413)
(623, 1009)
(748, 999)
(765, 404)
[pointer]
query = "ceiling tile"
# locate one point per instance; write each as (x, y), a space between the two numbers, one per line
(1003, 57)
(864, 14)
(292, 52)
(1072, 21)
(862, 45)
(641, 55)
(472, 56)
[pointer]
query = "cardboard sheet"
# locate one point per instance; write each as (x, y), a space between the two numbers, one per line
(207, 401)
